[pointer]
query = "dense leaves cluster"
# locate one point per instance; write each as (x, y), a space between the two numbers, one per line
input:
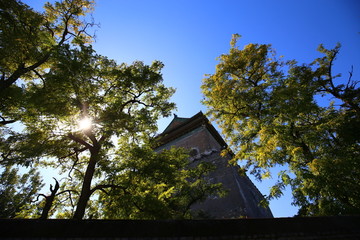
(52, 80)
(158, 185)
(15, 191)
(277, 113)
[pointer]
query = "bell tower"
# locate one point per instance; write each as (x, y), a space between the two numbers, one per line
(205, 144)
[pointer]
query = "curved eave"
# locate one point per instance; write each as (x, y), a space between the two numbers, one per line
(192, 123)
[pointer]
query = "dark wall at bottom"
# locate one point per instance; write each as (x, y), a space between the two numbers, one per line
(275, 228)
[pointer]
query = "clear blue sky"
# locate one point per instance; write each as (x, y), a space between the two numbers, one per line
(188, 35)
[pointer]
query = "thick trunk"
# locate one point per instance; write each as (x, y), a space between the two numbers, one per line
(86, 186)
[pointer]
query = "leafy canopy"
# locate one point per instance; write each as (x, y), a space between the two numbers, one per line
(278, 113)
(156, 185)
(28, 41)
(55, 84)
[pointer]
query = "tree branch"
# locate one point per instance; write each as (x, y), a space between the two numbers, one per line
(76, 151)
(102, 186)
(4, 122)
(350, 76)
(38, 74)
(79, 140)
(49, 200)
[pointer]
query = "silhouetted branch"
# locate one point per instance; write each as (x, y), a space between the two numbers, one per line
(4, 121)
(101, 187)
(79, 140)
(49, 200)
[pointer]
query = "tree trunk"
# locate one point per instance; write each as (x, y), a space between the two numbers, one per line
(86, 186)
(49, 200)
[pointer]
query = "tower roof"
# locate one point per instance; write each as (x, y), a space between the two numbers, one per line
(204, 143)
(180, 126)
(177, 121)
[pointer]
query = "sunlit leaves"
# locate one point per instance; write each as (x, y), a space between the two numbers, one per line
(277, 113)
(123, 101)
(28, 39)
(63, 82)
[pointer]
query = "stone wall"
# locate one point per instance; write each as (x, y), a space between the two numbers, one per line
(243, 198)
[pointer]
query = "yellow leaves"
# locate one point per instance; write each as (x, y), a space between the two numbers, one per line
(224, 152)
(296, 151)
(167, 193)
(250, 46)
(266, 175)
(269, 138)
(277, 119)
(235, 37)
(285, 178)
(314, 166)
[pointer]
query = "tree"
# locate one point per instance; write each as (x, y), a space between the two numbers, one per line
(156, 185)
(81, 113)
(17, 192)
(277, 113)
(116, 101)
(89, 119)
(28, 42)
(29, 39)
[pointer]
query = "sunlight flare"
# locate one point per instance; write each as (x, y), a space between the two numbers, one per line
(85, 123)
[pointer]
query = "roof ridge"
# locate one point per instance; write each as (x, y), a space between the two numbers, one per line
(172, 125)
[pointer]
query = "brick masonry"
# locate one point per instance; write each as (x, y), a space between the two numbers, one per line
(205, 144)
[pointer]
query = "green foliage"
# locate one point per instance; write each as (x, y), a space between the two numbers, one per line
(155, 185)
(122, 101)
(28, 41)
(17, 192)
(51, 80)
(278, 113)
